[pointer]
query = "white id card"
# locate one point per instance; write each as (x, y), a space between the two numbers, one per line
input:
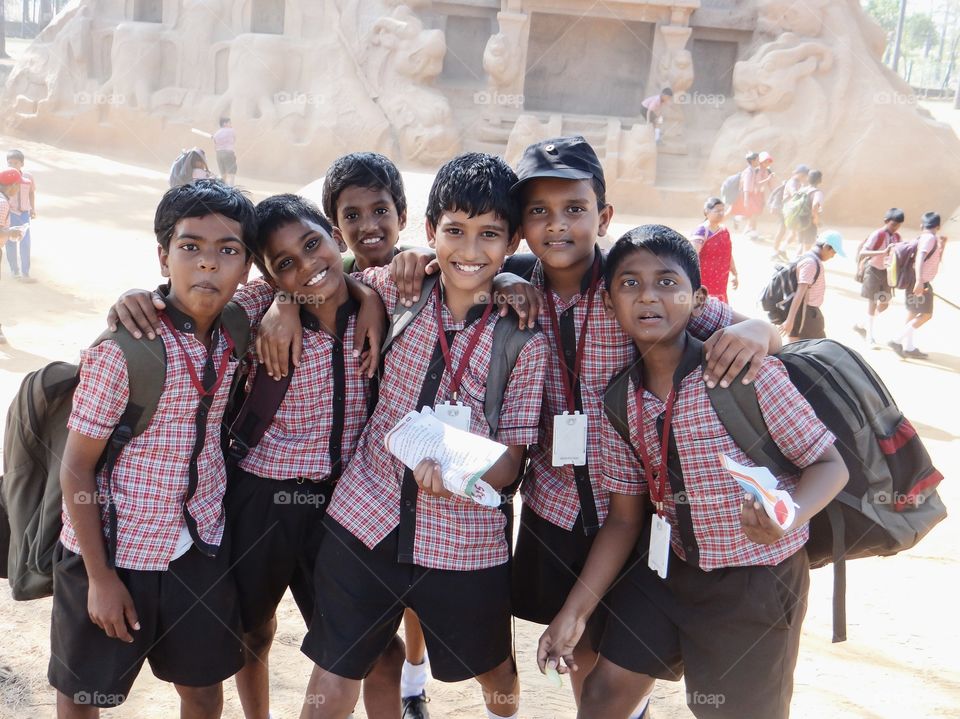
(569, 439)
(456, 415)
(659, 556)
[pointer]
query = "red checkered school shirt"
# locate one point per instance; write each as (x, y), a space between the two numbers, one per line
(297, 442)
(454, 533)
(714, 496)
(550, 491)
(150, 478)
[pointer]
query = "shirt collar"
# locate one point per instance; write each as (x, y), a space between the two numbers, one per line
(180, 320)
(690, 361)
(344, 312)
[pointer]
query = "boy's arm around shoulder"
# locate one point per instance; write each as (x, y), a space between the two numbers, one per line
(732, 341)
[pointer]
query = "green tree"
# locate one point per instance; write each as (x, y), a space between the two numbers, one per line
(885, 12)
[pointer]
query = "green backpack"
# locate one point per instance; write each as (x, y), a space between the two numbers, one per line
(798, 210)
(36, 433)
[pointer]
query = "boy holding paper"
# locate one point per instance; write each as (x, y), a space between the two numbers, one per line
(396, 538)
(726, 596)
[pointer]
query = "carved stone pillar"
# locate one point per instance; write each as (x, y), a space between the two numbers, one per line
(505, 60)
(672, 67)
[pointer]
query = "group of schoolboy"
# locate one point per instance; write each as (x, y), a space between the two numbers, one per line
(204, 547)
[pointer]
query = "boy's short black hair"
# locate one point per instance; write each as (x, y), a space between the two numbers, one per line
(751, 156)
(475, 183)
(277, 211)
(667, 91)
(815, 177)
(711, 203)
(15, 155)
(930, 220)
(370, 170)
(224, 121)
(199, 199)
(894, 214)
(662, 242)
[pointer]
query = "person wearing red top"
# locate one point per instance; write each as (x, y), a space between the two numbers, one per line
(871, 258)
(712, 242)
(919, 298)
(113, 608)
(726, 606)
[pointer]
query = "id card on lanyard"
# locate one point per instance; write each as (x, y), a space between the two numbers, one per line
(658, 558)
(453, 412)
(570, 428)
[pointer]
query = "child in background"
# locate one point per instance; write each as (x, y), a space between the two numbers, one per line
(712, 242)
(805, 319)
(727, 609)
(23, 208)
(871, 260)
(652, 109)
(797, 180)
(225, 145)
(919, 298)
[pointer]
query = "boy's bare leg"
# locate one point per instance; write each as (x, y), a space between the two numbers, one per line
(586, 659)
(329, 696)
(612, 692)
(253, 680)
(416, 647)
(201, 702)
(501, 689)
(381, 687)
(66, 709)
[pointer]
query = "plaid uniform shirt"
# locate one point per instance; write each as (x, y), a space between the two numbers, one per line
(806, 272)
(150, 478)
(455, 533)
(929, 244)
(713, 495)
(297, 442)
(551, 491)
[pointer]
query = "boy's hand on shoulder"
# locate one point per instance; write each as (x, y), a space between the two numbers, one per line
(408, 270)
(110, 607)
(137, 311)
(280, 338)
(370, 328)
(558, 641)
(428, 477)
(757, 524)
(732, 348)
(510, 290)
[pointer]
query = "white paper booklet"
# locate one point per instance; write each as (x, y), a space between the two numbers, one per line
(759, 482)
(463, 457)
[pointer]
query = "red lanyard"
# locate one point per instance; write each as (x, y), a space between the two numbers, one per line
(224, 361)
(656, 479)
(467, 352)
(570, 382)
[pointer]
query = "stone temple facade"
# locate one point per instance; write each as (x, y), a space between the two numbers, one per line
(420, 80)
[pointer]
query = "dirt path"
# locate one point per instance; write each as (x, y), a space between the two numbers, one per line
(93, 239)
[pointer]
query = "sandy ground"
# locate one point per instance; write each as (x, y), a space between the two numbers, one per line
(93, 239)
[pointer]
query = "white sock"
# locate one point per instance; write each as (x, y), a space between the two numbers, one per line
(657, 135)
(413, 677)
(642, 706)
(491, 715)
(908, 339)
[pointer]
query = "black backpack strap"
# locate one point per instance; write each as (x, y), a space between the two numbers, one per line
(403, 316)
(256, 413)
(508, 341)
(739, 412)
(234, 319)
(521, 265)
(838, 529)
(615, 403)
(146, 373)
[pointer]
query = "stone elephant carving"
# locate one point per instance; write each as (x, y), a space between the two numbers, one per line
(264, 77)
(136, 61)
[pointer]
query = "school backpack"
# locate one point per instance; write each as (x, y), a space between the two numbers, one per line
(890, 500)
(508, 341)
(798, 210)
(775, 201)
(36, 433)
(181, 172)
(902, 265)
(777, 296)
(730, 189)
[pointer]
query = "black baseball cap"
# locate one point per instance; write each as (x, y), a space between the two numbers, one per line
(568, 158)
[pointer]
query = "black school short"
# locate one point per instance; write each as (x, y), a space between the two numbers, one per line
(734, 633)
(227, 162)
(920, 304)
(809, 324)
(361, 594)
(875, 286)
(275, 529)
(546, 564)
(189, 629)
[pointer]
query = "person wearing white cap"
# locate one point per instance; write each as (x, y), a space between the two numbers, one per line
(805, 319)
